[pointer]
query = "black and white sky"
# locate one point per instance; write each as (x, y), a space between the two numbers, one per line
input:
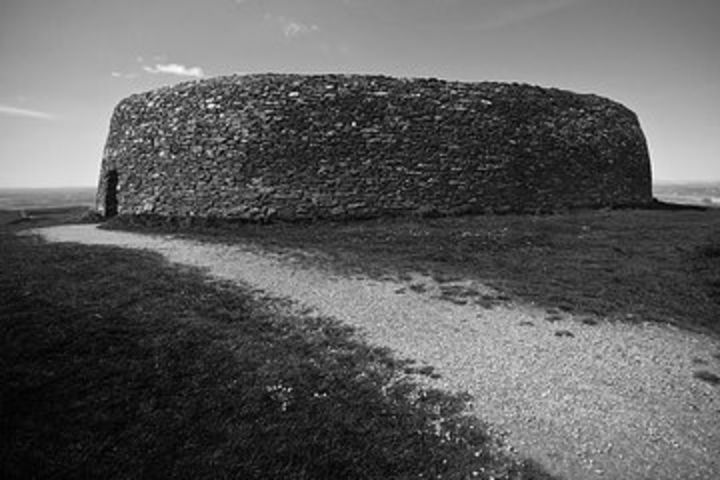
(64, 64)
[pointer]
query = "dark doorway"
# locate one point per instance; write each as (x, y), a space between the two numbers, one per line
(111, 203)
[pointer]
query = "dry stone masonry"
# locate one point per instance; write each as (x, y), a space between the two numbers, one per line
(294, 147)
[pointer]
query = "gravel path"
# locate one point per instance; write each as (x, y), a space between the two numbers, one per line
(605, 401)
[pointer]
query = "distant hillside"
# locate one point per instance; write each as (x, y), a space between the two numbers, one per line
(695, 193)
(25, 198)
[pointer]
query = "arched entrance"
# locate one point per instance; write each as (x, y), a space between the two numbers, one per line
(111, 203)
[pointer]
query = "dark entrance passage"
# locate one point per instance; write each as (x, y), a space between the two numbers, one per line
(111, 203)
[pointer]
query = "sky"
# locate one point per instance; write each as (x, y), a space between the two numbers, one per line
(65, 64)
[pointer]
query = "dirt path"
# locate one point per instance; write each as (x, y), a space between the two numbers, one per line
(605, 401)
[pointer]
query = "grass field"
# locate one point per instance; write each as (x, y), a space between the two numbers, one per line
(115, 364)
(629, 265)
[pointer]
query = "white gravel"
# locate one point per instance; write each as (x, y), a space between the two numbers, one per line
(612, 401)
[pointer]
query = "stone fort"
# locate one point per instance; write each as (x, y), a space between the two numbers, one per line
(304, 147)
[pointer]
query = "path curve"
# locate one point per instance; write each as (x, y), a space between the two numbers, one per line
(605, 401)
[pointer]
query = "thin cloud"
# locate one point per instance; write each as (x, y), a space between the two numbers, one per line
(123, 75)
(292, 28)
(9, 111)
(175, 69)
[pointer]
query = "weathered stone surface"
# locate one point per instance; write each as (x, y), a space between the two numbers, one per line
(259, 147)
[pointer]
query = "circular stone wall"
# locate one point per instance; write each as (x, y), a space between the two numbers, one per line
(293, 147)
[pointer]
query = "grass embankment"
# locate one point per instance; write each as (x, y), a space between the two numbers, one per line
(631, 265)
(115, 364)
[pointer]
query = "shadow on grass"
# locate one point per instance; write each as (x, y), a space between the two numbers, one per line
(115, 364)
